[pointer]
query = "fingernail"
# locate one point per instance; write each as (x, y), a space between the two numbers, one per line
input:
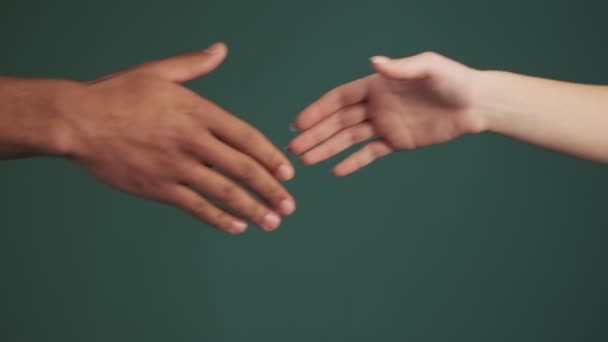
(285, 172)
(287, 207)
(239, 226)
(214, 48)
(379, 59)
(271, 222)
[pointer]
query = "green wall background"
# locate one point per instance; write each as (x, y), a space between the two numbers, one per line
(482, 239)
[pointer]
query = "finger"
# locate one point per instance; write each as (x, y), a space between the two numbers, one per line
(327, 127)
(363, 157)
(232, 197)
(188, 66)
(243, 168)
(338, 143)
(415, 67)
(334, 100)
(247, 139)
(197, 206)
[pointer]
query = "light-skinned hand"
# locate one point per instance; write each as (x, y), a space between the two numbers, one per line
(407, 104)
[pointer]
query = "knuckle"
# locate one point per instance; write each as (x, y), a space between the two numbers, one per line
(163, 195)
(200, 209)
(220, 216)
(331, 150)
(353, 137)
(250, 134)
(230, 194)
(431, 55)
(274, 160)
(335, 94)
(316, 109)
(316, 135)
(351, 116)
(190, 142)
(344, 119)
(434, 62)
(247, 171)
(274, 191)
(256, 211)
(194, 113)
(146, 68)
(193, 146)
(186, 169)
(358, 134)
(403, 144)
(375, 153)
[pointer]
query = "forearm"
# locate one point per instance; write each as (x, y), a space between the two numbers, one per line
(32, 116)
(566, 117)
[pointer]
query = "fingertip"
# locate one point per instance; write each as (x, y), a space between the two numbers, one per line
(216, 48)
(379, 60)
(381, 65)
(287, 207)
(289, 149)
(293, 148)
(271, 222)
(237, 227)
(305, 119)
(285, 172)
(336, 172)
(300, 123)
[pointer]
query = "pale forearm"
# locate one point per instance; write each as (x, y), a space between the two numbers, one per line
(565, 117)
(32, 120)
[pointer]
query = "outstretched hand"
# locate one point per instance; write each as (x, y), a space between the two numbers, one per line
(409, 103)
(141, 132)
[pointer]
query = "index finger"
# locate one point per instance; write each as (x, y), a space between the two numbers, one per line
(334, 100)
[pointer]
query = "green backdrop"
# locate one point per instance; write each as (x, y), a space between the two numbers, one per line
(482, 239)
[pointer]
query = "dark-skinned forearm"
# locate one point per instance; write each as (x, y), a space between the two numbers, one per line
(32, 120)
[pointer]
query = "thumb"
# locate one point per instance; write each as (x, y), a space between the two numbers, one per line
(415, 67)
(188, 66)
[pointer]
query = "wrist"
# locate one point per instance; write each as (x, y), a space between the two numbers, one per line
(490, 103)
(34, 118)
(64, 98)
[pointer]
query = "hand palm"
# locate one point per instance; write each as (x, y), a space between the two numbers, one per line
(413, 113)
(410, 103)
